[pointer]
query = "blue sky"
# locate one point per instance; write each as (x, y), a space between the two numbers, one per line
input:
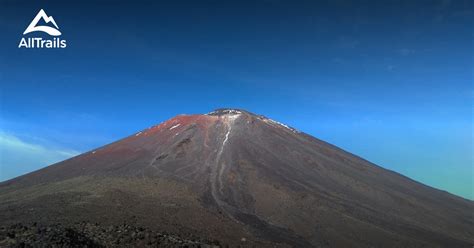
(390, 81)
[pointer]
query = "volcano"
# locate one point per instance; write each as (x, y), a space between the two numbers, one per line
(244, 180)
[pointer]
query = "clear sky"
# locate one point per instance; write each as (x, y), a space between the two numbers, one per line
(390, 81)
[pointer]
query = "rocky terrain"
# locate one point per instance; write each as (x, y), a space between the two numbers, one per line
(93, 235)
(240, 179)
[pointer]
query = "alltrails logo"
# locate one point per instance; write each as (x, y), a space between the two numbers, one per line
(38, 42)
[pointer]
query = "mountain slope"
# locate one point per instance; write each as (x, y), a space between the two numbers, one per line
(242, 179)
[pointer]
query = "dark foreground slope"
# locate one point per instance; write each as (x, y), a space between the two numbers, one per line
(241, 179)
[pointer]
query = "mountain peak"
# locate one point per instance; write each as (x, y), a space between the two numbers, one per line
(234, 112)
(228, 111)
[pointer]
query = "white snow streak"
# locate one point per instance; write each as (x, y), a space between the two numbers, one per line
(220, 167)
(281, 124)
(175, 126)
(223, 165)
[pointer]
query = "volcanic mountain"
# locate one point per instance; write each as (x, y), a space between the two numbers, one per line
(244, 180)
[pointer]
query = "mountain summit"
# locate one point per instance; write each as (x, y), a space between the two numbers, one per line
(241, 179)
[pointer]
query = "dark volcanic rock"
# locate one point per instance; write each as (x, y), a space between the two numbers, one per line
(240, 179)
(92, 235)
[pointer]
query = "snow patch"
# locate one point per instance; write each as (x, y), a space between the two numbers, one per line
(138, 133)
(226, 138)
(175, 126)
(233, 117)
(225, 112)
(267, 120)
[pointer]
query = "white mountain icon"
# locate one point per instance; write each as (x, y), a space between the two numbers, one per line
(49, 30)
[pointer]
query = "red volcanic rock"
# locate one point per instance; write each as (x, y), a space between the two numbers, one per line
(241, 179)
